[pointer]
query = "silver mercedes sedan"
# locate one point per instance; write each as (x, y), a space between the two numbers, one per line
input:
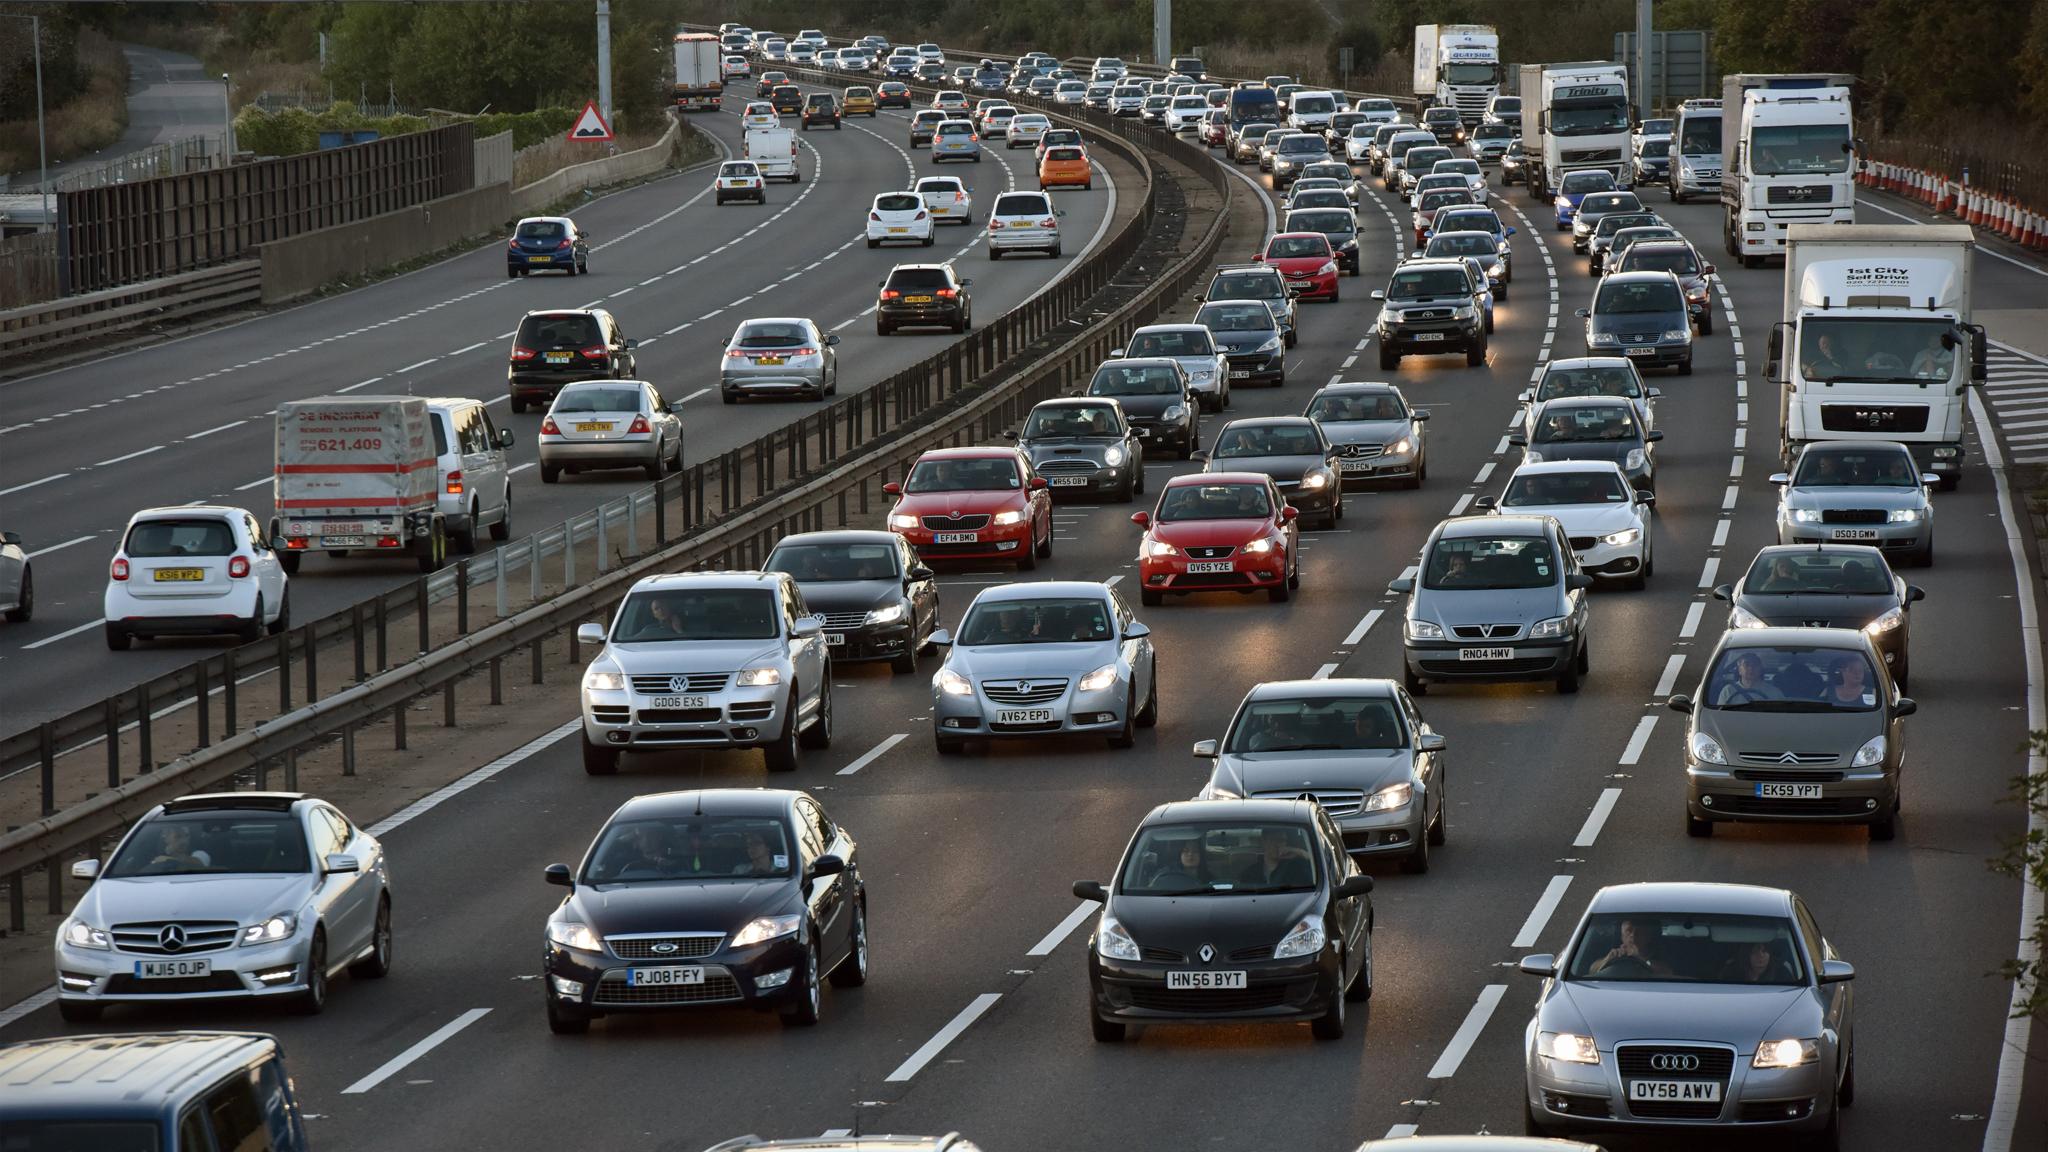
(1377, 435)
(1042, 659)
(1691, 1006)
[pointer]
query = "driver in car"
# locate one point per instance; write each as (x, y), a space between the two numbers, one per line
(1633, 952)
(1281, 863)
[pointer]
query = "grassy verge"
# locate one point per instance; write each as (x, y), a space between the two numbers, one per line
(80, 126)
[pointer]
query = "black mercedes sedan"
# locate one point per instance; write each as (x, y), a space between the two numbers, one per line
(1292, 450)
(874, 597)
(716, 897)
(1827, 586)
(1230, 910)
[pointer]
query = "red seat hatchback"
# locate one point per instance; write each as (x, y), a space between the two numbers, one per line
(1218, 532)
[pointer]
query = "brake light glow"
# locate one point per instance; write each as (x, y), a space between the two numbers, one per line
(238, 567)
(947, 292)
(890, 294)
(548, 428)
(120, 569)
(996, 225)
(564, 245)
(639, 427)
(523, 353)
(594, 352)
(455, 482)
(1048, 222)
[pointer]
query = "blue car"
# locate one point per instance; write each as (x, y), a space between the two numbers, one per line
(1576, 187)
(547, 244)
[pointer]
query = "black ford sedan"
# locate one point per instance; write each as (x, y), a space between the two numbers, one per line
(716, 897)
(1230, 910)
(1827, 586)
(874, 597)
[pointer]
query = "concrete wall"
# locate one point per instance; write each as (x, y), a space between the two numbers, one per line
(494, 160)
(300, 265)
(535, 197)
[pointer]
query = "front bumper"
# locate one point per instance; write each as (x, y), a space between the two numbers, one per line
(1889, 537)
(1310, 501)
(870, 642)
(1613, 560)
(103, 977)
(1593, 1098)
(1007, 542)
(597, 983)
(1427, 337)
(1181, 433)
(733, 718)
(1314, 285)
(1662, 354)
(1072, 712)
(1293, 989)
(1735, 792)
(1382, 465)
(1694, 182)
(1525, 660)
(1384, 833)
(1098, 480)
(1247, 572)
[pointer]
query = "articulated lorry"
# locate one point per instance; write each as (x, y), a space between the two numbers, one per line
(1787, 157)
(1875, 340)
(700, 79)
(357, 474)
(1574, 117)
(1458, 65)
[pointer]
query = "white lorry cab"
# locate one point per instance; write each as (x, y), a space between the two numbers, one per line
(1876, 341)
(1788, 157)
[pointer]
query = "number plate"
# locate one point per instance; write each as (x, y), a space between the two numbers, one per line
(1211, 566)
(917, 299)
(834, 639)
(1853, 534)
(767, 359)
(594, 426)
(1699, 1091)
(168, 574)
(956, 538)
(1181, 979)
(678, 702)
(540, 259)
(1066, 481)
(172, 969)
(341, 541)
(1486, 653)
(898, 231)
(1024, 716)
(1640, 351)
(1240, 373)
(1429, 335)
(663, 977)
(558, 357)
(1788, 791)
(1354, 465)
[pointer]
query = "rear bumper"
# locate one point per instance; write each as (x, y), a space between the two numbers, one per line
(1027, 239)
(603, 454)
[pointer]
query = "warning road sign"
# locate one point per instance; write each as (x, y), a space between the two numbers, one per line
(590, 125)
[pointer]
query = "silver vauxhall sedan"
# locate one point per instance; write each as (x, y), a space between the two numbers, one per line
(1692, 1006)
(1046, 658)
(1359, 747)
(1859, 492)
(780, 355)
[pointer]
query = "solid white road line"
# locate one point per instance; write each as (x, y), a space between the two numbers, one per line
(1670, 676)
(1051, 940)
(130, 456)
(945, 1036)
(433, 1040)
(1597, 818)
(85, 627)
(1364, 626)
(1461, 1043)
(874, 754)
(1546, 905)
(54, 547)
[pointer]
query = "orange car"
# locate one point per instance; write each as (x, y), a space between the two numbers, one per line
(1065, 166)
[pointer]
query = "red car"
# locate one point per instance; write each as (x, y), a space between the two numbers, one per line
(1216, 128)
(1306, 260)
(1218, 532)
(974, 504)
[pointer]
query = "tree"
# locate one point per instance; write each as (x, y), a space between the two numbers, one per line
(2026, 857)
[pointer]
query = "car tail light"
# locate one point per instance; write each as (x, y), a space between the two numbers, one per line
(594, 352)
(564, 245)
(455, 482)
(919, 216)
(1048, 222)
(874, 215)
(238, 567)
(890, 294)
(959, 197)
(523, 353)
(639, 427)
(513, 244)
(804, 352)
(735, 354)
(548, 428)
(995, 225)
(297, 543)
(120, 569)
(947, 292)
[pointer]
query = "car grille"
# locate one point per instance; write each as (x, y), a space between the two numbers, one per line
(1854, 515)
(1583, 543)
(1189, 580)
(1360, 451)
(1759, 806)
(1023, 691)
(1209, 553)
(1486, 631)
(718, 987)
(684, 946)
(1162, 955)
(1245, 955)
(123, 984)
(1788, 777)
(1335, 801)
(1067, 464)
(663, 684)
(956, 523)
(1636, 1062)
(843, 621)
(1799, 194)
(147, 937)
(1787, 759)
(1204, 1001)
(1873, 417)
(678, 715)
(1427, 314)
(1588, 155)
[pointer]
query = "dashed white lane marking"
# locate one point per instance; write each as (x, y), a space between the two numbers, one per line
(65, 635)
(221, 428)
(693, 395)
(1691, 627)
(32, 484)
(55, 547)
(1463, 502)
(1712, 569)
(432, 1041)
(1461, 1043)
(937, 1044)
(431, 359)
(1672, 667)
(360, 384)
(874, 754)
(1364, 625)
(467, 348)
(130, 456)
(254, 484)
(517, 468)
(1485, 470)
(1638, 740)
(1721, 534)
(1323, 673)
(1062, 930)
(1597, 818)
(1539, 916)
(1728, 498)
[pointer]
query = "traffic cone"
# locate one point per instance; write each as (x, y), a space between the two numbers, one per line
(1947, 201)
(2028, 236)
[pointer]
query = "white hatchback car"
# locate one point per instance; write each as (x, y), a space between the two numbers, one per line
(899, 217)
(1023, 222)
(947, 198)
(194, 570)
(741, 180)
(759, 114)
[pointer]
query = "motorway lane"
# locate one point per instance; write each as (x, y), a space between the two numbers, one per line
(681, 333)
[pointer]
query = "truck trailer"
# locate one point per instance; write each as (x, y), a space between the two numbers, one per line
(700, 78)
(357, 474)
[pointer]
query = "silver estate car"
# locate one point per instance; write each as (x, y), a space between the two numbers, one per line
(1859, 492)
(1376, 434)
(609, 424)
(1495, 598)
(1046, 658)
(1795, 724)
(707, 660)
(779, 355)
(1690, 1006)
(1360, 747)
(227, 895)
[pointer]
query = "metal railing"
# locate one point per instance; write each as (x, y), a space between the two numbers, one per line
(191, 154)
(30, 328)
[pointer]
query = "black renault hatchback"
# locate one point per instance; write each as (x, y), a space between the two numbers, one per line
(724, 896)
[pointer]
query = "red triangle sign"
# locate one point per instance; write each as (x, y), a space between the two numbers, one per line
(590, 125)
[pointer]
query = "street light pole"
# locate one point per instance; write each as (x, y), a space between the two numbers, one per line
(35, 26)
(227, 124)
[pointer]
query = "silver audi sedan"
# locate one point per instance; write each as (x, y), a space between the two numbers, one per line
(1859, 492)
(1360, 747)
(1041, 659)
(1692, 1006)
(222, 896)
(781, 355)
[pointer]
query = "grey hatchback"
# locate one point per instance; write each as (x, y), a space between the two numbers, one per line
(1495, 598)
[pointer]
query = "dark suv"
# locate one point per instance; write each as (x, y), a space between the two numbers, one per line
(1431, 306)
(923, 294)
(560, 347)
(788, 99)
(819, 108)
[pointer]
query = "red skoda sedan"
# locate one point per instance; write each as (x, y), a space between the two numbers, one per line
(974, 504)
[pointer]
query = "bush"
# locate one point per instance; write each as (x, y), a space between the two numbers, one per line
(528, 128)
(292, 131)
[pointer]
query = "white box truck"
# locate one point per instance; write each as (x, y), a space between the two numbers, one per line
(1875, 340)
(1458, 65)
(1695, 168)
(700, 79)
(1574, 116)
(357, 474)
(1788, 157)
(773, 151)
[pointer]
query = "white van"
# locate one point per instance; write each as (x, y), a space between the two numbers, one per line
(472, 456)
(773, 150)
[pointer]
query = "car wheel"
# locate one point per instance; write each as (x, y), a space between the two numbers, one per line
(252, 629)
(1360, 988)
(465, 540)
(434, 552)
(1389, 359)
(819, 734)
(283, 622)
(1054, 252)
(1707, 319)
(377, 964)
(852, 972)
(1475, 356)
(1125, 737)
(1829, 1138)
(802, 1009)
(1150, 598)
(1887, 828)
(289, 561)
(1568, 680)
(1698, 828)
(652, 469)
(564, 1020)
(927, 242)
(1280, 593)
(518, 405)
(1330, 1025)
(79, 1011)
(502, 530)
(599, 759)
(1104, 1031)
(24, 602)
(1501, 293)
(313, 1000)
(948, 745)
(781, 756)
(511, 273)
(874, 243)
(1685, 366)
(1532, 1126)
(1148, 716)
(1846, 1094)
(1416, 862)
(549, 473)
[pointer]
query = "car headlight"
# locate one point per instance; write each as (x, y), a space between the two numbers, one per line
(1157, 548)
(758, 677)
(1174, 413)
(1214, 791)
(1580, 227)
(270, 931)
(1005, 519)
(1304, 939)
(1601, 340)
(1199, 375)
(954, 684)
(1804, 515)
(902, 520)
(1316, 480)
(1871, 753)
(1329, 268)
(1633, 461)
(762, 929)
(1424, 630)
(79, 934)
(888, 614)
(1400, 447)
(1272, 345)
(574, 934)
(1112, 942)
(1889, 622)
(1740, 617)
(1260, 547)
(1905, 516)
(1389, 798)
(1707, 750)
(1678, 334)
(1532, 456)
(1625, 536)
(1696, 293)
(1786, 1053)
(600, 679)
(1463, 312)
(1550, 629)
(1099, 679)
(1568, 1046)
(1111, 456)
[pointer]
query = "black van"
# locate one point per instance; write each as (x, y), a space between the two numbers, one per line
(161, 1092)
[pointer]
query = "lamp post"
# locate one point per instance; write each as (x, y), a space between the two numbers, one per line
(35, 25)
(227, 124)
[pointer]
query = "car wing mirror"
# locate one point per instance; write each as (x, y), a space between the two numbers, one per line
(340, 862)
(1538, 965)
(1836, 971)
(1653, 436)
(1038, 482)
(893, 488)
(940, 638)
(806, 628)
(1578, 581)
(1429, 742)
(1653, 393)
(1781, 478)
(13, 538)
(1204, 750)
(84, 869)
(1706, 269)
(506, 438)
(1905, 707)
(1142, 519)
(1724, 591)
(1137, 631)
(1008, 433)
(559, 874)
(1915, 593)
(831, 339)
(1091, 890)
(826, 865)
(1353, 887)
(1418, 417)
(590, 634)
(1581, 313)
(1929, 478)
(1401, 584)
(920, 572)
(1679, 703)
(1519, 439)
(1508, 231)
(1116, 353)
(277, 543)
(1289, 514)
(1486, 503)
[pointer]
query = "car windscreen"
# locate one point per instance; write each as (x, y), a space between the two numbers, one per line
(1876, 351)
(1266, 440)
(1063, 153)
(739, 168)
(1855, 468)
(974, 474)
(1302, 143)
(1802, 149)
(1821, 573)
(1493, 132)
(1297, 247)
(1348, 406)
(196, 536)
(1619, 380)
(665, 614)
(1576, 183)
(1235, 858)
(1308, 185)
(557, 332)
(597, 400)
(1462, 244)
(1135, 380)
(1461, 167)
(1328, 221)
(1576, 423)
(1688, 948)
(1542, 489)
(694, 848)
(1050, 422)
(1660, 258)
(1317, 724)
(781, 334)
(1615, 221)
(1471, 563)
(216, 842)
(1235, 318)
(1605, 202)
(1174, 342)
(1305, 105)
(1637, 297)
(1440, 116)
(1415, 283)
(1425, 158)
(919, 279)
(541, 230)
(1791, 678)
(1040, 620)
(1214, 502)
(1626, 238)
(828, 562)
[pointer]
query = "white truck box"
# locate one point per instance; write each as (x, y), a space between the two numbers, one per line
(1457, 65)
(1574, 116)
(773, 150)
(700, 76)
(357, 472)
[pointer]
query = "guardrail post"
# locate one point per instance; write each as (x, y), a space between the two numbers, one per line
(448, 704)
(498, 581)
(533, 568)
(144, 763)
(53, 876)
(17, 900)
(419, 602)
(284, 672)
(568, 554)
(308, 644)
(497, 681)
(383, 618)
(291, 769)
(348, 750)
(46, 752)
(204, 705)
(111, 710)
(602, 545)
(539, 670)
(398, 726)
(355, 631)
(661, 512)
(227, 692)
